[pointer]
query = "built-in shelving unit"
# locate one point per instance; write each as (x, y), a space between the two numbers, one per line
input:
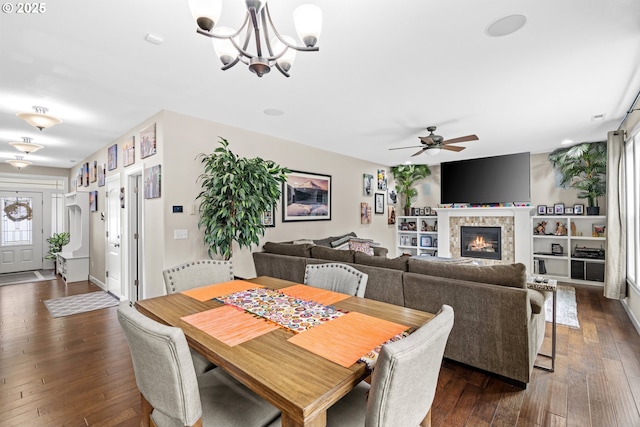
(417, 235)
(577, 255)
(73, 259)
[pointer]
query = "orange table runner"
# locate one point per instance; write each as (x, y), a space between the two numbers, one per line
(206, 293)
(230, 325)
(310, 293)
(346, 339)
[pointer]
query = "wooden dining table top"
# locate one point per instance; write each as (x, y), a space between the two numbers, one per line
(301, 384)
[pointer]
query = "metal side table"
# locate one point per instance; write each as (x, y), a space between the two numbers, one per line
(549, 285)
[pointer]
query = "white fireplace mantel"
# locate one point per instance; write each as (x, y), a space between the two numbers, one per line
(522, 232)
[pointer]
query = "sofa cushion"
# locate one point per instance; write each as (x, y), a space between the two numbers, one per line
(327, 240)
(329, 254)
(302, 250)
(361, 245)
(513, 275)
(537, 301)
(399, 263)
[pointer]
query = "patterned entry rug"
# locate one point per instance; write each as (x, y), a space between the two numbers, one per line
(80, 303)
(26, 277)
(567, 308)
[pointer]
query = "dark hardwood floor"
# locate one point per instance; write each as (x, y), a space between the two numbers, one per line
(76, 370)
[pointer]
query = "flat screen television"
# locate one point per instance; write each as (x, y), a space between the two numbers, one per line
(487, 180)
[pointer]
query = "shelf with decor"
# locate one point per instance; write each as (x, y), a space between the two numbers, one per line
(417, 235)
(569, 247)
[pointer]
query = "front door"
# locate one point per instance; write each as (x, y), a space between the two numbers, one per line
(113, 263)
(20, 231)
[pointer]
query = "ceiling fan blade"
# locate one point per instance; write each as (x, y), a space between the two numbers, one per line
(402, 148)
(452, 148)
(419, 152)
(461, 139)
(426, 139)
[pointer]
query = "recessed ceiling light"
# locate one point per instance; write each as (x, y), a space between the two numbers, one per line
(273, 112)
(505, 25)
(154, 38)
(567, 142)
(597, 117)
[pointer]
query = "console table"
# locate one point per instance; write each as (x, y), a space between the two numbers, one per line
(549, 285)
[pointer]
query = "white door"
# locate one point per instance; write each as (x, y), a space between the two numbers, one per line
(112, 226)
(134, 243)
(20, 231)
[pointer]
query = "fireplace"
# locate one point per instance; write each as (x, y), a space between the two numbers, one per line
(481, 242)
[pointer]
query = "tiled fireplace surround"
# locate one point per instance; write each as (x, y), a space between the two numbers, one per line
(513, 221)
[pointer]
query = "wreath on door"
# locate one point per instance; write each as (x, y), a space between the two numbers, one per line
(18, 211)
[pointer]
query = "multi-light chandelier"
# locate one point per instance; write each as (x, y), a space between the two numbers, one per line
(271, 48)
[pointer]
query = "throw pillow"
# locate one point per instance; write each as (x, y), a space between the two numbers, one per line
(360, 245)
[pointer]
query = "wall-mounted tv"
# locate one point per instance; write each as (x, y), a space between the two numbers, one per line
(487, 180)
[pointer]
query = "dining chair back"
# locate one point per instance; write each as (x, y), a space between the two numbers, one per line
(336, 277)
(197, 273)
(172, 394)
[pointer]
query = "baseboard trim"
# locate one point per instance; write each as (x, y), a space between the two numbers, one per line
(632, 317)
(97, 282)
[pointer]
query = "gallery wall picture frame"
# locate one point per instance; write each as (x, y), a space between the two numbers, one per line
(268, 218)
(367, 184)
(93, 201)
(379, 199)
(558, 208)
(306, 196)
(102, 172)
(365, 213)
(112, 157)
(391, 215)
(152, 182)
(148, 141)
(542, 210)
(129, 152)
(382, 179)
(85, 174)
(93, 172)
(392, 196)
(578, 209)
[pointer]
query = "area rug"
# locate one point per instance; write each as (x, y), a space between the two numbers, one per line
(80, 303)
(26, 277)
(567, 308)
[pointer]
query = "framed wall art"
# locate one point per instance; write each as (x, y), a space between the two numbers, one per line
(379, 203)
(85, 174)
(93, 172)
(129, 152)
(268, 218)
(367, 184)
(93, 201)
(365, 213)
(306, 196)
(112, 157)
(148, 141)
(102, 171)
(382, 179)
(391, 217)
(152, 182)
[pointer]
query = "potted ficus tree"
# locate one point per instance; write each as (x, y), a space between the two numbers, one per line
(583, 167)
(236, 191)
(405, 177)
(56, 242)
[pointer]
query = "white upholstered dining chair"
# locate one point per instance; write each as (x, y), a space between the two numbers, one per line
(403, 383)
(172, 394)
(193, 275)
(336, 277)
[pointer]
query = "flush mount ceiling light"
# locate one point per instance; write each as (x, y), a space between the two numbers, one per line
(18, 162)
(279, 50)
(40, 119)
(26, 146)
(506, 25)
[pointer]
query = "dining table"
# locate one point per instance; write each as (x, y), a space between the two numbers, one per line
(301, 381)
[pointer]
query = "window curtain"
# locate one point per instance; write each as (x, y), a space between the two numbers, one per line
(615, 278)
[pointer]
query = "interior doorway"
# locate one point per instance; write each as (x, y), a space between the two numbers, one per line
(133, 232)
(113, 232)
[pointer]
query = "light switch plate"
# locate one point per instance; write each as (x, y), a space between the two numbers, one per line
(180, 234)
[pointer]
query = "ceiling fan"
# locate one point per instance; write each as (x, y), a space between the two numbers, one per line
(436, 143)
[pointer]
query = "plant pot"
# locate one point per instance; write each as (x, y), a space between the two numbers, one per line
(407, 211)
(593, 210)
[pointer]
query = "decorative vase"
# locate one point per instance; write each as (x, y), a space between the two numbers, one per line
(593, 210)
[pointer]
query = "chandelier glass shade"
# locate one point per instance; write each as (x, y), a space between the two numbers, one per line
(271, 49)
(40, 119)
(18, 162)
(26, 146)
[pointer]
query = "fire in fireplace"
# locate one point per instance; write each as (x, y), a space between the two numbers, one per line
(481, 242)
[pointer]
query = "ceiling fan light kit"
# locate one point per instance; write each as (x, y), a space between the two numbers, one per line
(277, 51)
(26, 146)
(433, 144)
(40, 119)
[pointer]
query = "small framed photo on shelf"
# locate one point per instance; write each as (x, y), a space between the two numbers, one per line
(426, 241)
(568, 211)
(414, 241)
(578, 209)
(435, 243)
(549, 210)
(558, 208)
(542, 209)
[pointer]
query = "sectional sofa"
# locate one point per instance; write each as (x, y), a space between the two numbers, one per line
(499, 323)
